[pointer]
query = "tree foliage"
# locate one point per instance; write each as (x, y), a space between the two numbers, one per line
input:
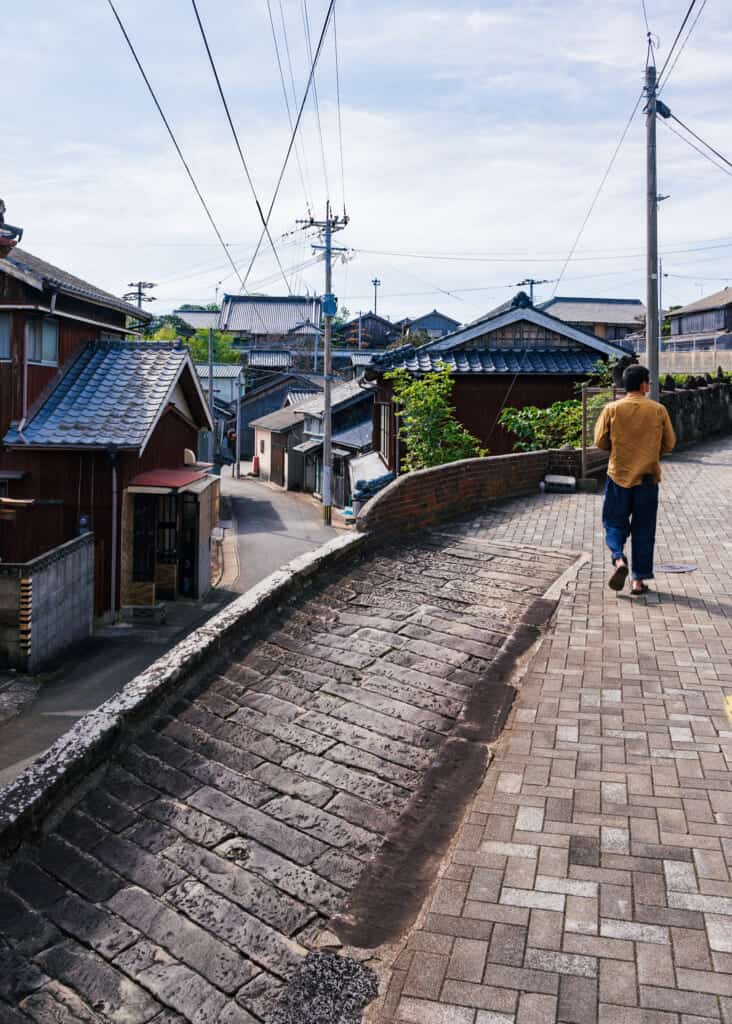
(223, 351)
(171, 325)
(536, 429)
(428, 428)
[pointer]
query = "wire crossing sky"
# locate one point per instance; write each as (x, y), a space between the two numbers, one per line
(465, 129)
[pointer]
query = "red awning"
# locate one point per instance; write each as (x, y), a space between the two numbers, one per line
(172, 478)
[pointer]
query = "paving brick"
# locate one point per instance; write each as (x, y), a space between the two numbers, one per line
(467, 960)
(562, 963)
(679, 1002)
(507, 945)
(536, 1009)
(577, 1000)
(422, 1011)
(618, 982)
(691, 949)
(480, 997)
(425, 975)
(632, 930)
(654, 964)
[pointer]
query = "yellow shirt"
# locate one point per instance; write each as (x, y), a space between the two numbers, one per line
(637, 432)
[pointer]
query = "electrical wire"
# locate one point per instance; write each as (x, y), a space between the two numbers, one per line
(173, 139)
(681, 48)
(600, 187)
(700, 151)
(340, 119)
(699, 139)
(305, 189)
(645, 16)
(238, 144)
(678, 36)
(296, 126)
(306, 26)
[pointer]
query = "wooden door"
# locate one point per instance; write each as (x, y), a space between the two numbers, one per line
(277, 467)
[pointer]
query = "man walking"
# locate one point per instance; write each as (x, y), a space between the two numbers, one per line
(637, 432)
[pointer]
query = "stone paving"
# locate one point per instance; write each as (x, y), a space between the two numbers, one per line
(591, 878)
(190, 881)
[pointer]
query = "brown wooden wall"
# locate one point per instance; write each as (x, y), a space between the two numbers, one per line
(82, 481)
(478, 401)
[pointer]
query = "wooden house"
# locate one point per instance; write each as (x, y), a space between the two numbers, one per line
(611, 319)
(517, 356)
(98, 432)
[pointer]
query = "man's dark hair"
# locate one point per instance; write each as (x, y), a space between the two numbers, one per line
(634, 376)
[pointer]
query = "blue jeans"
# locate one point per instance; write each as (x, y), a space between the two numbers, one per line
(631, 512)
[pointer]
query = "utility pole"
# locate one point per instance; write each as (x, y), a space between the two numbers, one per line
(330, 308)
(651, 233)
(238, 428)
(212, 446)
(359, 328)
(377, 284)
(138, 295)
(531, 282)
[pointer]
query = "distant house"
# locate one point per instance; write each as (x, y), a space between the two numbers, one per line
(611, 319)
(266, 319)
(109, 446)
(434, 325)
(352, 433)
(704, 324)
(267, 398)
(277, 437)
(367, 331)
(227, 378)
(517, 356)
(198, 319)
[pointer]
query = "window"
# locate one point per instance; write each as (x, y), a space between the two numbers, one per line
(42, 341)
(385, 439)
(261, 447)
(5, 322)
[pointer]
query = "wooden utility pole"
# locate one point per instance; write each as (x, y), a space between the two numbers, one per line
(377, 284)
(330, 308)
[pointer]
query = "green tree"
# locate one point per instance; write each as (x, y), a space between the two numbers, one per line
(179, 328)
(428, 427)
(223, 351)
(536, 429)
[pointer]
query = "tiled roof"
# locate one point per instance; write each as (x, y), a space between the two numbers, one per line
(623, 312)
(363, 358)
(23, 264)
(268, 314)
(110, 396)
(339, 395)
(296, 396)
(715, 301)
(490, 361)
(279, 420)
(198, 318)
(276, 359)
(357, 436)
(220, 370)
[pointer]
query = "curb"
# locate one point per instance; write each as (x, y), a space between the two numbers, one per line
(48, 785)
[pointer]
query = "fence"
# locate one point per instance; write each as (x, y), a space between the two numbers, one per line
(46, 604)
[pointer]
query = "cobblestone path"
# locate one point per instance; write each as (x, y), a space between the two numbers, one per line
(591, 880)
(189, 883)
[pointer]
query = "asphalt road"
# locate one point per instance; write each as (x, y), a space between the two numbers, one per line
(273, 527)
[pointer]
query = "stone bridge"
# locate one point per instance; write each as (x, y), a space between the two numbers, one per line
(304, 789)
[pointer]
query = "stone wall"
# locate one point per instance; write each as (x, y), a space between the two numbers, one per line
(699, 413)
(431, 495)
(54, 593)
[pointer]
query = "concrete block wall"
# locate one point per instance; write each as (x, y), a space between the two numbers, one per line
(61, 585)
(699, 413)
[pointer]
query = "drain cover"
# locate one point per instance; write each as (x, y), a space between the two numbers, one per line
(675, 567)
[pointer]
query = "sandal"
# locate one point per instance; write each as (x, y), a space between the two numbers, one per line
(618, 578)
(640, 591)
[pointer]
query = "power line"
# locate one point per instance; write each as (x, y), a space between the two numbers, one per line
(174, 140)
(699, 139)
(678, 36)
(340, 120)
(681, 48)
(645, 16)
(238, 144)
(296, 126)
(306, 26)
(600, 187)
(700, 151)
(303, 175)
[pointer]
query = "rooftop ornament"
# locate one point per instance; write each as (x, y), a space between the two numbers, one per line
(9, 235)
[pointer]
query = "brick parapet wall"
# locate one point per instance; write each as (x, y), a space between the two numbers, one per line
(432, 495)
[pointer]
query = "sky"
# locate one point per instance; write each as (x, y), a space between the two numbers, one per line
(474, 138)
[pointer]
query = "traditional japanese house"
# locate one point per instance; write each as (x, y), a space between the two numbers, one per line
(517, 356)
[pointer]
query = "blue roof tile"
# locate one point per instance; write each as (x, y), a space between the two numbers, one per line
(109, 396)
(573, 362)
